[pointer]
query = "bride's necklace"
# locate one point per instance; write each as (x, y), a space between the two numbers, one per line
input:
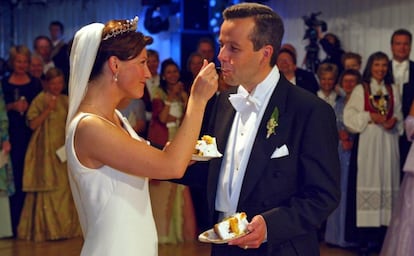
(101, 114)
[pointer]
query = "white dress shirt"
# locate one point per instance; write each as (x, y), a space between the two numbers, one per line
(293, 80)
(330, 99)
(400, 73)
(242, 135)
(152, 84)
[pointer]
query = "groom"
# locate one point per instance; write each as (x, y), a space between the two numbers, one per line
(279, 143)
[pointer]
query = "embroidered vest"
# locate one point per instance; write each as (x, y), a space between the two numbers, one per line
(373, 102)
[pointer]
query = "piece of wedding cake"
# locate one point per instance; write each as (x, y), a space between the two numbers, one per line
(232, 226)
(207, 147)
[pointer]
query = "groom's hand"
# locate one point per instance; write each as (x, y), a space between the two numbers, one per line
(256, 236)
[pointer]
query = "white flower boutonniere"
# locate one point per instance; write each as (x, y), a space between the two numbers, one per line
(272, 123)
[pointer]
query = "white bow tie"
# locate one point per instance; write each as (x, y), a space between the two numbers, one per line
(401, 65)
(243, 103)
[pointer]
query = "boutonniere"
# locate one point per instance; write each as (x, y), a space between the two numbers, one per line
(272, 123)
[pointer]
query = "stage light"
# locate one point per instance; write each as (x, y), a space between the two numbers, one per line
(154, 23)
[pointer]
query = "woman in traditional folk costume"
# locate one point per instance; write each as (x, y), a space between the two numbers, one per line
(374, 112)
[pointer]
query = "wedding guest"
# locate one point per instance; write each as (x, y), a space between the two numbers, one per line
(286, 62)
(194, 64)
(352, 60)
(19, 89)
(402, 69)
(49, 212)
(42, 46)
(374, 112)
(327, 75)
(56, 31)
(332, 47)
(6, 173)
(154, 81)
(168, 104)
(152, 84)
(206, 48)
(60, 51)
(336, 223)
(36, 68)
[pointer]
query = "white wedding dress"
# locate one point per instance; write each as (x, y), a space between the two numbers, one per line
(114, 208)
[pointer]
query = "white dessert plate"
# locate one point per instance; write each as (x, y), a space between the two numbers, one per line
(202, 158)
(209, 236)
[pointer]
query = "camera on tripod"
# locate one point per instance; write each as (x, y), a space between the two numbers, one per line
(312, 49)
(312, 22)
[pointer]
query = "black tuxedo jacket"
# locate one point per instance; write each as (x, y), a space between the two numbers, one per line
(61, 60)
(306, 80)
(294, 193)
(408, 89)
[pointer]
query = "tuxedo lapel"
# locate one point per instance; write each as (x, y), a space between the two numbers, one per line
(223, 120)
(411, 72)
(263, 147)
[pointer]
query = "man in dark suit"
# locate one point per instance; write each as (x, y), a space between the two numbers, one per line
(207, 49)
(286, 62)
(43, 46)
(280, 162)
(60, 51)
(403, 73)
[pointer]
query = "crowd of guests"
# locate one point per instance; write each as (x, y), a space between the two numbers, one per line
(35, 201)
(370, 107)
(33, 177)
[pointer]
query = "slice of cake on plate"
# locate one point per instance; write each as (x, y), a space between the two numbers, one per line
(232, 226)
(207, 147)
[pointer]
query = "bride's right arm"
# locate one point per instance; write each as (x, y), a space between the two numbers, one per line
(99, 143)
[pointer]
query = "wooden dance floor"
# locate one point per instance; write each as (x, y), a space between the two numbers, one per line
(71, 247)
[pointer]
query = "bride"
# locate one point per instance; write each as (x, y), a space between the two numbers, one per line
(109, 165)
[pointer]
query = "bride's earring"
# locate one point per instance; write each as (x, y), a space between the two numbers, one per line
(115, 77)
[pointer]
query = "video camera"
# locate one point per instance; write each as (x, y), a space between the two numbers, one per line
(312, 22)
(312, 49)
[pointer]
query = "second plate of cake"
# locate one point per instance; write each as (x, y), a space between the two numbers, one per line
(210, 236)
(228, 229)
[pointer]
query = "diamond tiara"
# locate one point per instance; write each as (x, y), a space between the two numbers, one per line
(127, 26)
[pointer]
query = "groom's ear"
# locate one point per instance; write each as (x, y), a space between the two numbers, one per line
(267, 51)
